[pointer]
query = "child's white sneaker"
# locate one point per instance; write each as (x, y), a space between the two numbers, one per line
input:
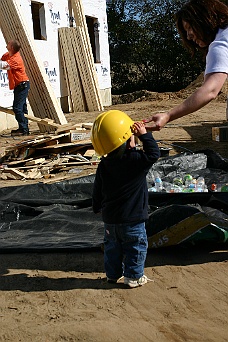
(136, 282)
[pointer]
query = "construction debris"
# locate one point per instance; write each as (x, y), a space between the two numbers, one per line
(44, 156)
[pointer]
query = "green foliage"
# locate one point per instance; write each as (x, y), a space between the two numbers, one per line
(145, 48)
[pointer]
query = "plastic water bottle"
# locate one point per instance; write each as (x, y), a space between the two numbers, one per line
(200, 185)
(188, 180)
(158, 184)
(178, 181)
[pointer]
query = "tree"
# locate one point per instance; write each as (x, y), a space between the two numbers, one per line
(145, 48)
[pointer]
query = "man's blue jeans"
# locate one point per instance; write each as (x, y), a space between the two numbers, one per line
(125, 250)
(20, 105)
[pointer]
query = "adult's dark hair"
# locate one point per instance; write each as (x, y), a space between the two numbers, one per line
(205, 17)
(16, 45)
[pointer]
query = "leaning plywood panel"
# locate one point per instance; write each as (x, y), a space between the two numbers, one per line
(86, 71)
(73, 80)
(80, 76)
(41, 96)
(80, 20)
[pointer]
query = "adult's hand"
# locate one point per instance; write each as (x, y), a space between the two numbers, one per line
(157, 121)
(201, 97)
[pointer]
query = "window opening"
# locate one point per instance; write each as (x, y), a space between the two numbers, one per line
(39, 22)
(93, 29)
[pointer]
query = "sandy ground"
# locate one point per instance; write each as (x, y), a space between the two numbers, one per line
(64, 296)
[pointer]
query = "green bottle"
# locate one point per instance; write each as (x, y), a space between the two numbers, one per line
(224, 188)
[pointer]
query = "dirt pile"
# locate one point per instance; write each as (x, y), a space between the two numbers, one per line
(145, 95)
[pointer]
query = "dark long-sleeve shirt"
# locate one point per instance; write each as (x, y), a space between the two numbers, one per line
(120, 188)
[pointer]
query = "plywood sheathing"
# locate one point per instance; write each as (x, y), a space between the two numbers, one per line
(87, 70)
(41, 95)
(81, 77)
(71, 71)
(83, 52)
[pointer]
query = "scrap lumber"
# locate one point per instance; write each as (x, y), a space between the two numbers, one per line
(3, 151)
(89, 153)
(41, 168)
(45, 121)
(35, 162)
(70, 145)
(41, 95)
(87, 125)
(6, 110)
(48, 122)
(44, 156)
(69, 127)
(74, 163)
(33, 174)
(14, 173)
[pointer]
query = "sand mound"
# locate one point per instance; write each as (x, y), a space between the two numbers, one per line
(145, 95)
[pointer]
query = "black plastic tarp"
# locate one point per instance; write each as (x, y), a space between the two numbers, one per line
(58, 216)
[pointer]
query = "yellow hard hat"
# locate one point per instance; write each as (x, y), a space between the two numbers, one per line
(110, 130)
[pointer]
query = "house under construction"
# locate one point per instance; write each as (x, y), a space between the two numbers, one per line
(66, 53)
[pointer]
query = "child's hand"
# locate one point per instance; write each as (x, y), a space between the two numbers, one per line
(139, 128)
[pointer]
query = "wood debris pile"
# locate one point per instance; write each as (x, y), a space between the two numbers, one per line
(44, 156)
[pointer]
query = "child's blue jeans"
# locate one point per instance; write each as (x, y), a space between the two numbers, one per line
(125, 250)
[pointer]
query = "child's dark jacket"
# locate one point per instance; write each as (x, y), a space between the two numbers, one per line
(120, 189)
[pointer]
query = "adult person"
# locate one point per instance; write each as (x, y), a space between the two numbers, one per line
(203, 25)
(120, 193)
(19, 83)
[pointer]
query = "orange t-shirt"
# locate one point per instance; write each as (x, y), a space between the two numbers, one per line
(16, 73)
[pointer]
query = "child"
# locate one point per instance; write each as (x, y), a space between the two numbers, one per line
(120, 192)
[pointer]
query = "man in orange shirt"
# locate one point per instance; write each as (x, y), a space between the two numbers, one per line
(19, 83)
